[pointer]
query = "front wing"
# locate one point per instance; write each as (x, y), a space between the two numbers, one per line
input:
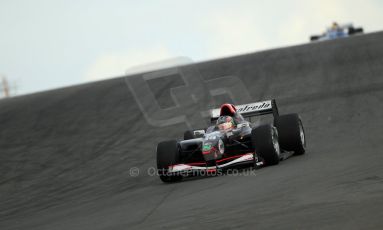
(220, 164)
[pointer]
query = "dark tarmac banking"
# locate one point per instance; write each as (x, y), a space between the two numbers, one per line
(67, 155)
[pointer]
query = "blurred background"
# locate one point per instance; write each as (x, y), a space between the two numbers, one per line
(46, 44)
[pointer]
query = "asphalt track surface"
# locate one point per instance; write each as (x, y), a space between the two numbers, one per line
(66, 155)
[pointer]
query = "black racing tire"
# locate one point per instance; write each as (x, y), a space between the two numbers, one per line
(291, 133)
(266, 145)
(314, 38)
(189, 134)
(352, 31)
(168, 153)
(358, 31)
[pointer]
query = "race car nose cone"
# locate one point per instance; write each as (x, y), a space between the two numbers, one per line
(209, 151)
(207, 148)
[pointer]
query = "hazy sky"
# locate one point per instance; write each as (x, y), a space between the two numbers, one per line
(46, 44)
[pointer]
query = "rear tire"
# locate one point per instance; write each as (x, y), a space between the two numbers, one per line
(352, 31)
(314, 38)
(266, 145)
(188, 134)
(358, 31)
(167, 154)
(291, 133)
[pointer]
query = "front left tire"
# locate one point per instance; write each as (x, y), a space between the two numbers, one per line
(266, 144)
(168, 153)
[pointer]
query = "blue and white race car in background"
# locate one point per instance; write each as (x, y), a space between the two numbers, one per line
(337, 31)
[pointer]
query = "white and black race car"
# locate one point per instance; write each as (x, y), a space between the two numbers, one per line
(232, 140)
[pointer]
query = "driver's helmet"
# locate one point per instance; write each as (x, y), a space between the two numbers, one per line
(334, 26)
(225, 122)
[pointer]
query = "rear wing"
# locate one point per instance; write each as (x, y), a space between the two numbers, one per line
(251, 110)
